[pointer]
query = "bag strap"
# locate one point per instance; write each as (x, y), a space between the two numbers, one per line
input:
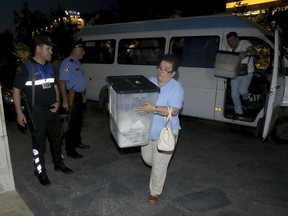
(168, 118)
(248, 59)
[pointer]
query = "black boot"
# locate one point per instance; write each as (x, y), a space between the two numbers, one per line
(43, 179)
(61, 167)
(74, 154)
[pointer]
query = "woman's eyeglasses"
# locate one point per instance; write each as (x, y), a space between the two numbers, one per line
(163, 70)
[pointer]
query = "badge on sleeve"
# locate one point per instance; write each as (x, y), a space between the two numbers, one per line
(66, 69)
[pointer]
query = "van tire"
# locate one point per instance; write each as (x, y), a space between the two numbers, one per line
(259, 128)
(279, 133)
(106, 103)
(103, 98)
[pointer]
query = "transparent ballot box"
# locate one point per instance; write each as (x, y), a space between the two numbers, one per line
(126, 93)
(227, 64)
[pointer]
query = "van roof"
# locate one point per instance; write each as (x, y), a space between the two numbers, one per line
(199, 22)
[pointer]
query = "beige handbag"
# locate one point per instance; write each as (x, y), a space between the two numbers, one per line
(167, 138)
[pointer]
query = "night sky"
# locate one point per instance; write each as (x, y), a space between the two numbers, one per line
(7, 8)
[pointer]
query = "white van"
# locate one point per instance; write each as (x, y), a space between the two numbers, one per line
(134, 49)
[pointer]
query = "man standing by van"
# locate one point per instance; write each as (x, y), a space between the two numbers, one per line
(240, 84)
(72, 87)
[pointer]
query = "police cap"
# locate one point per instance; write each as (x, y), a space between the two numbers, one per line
(78, 44)
(43, 39)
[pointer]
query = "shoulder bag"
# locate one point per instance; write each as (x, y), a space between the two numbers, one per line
(167, 138)
(243, 68)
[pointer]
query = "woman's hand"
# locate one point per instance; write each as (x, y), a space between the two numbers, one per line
(145, 109)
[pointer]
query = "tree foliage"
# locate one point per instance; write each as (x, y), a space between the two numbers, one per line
(6, 48)
(22, 51)
(27, 22)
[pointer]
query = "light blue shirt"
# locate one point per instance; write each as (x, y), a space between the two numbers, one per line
(171, 94)
(70, 71)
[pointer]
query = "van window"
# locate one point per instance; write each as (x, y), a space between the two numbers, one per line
(99, 51)
(196, 51)
(141, 51)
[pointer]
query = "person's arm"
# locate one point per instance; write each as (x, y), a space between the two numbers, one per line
(21, 119)
(57, 93)
(159, 110)
(251, 51)
(57, 103)
(63, 91)
(163, 110)
(84, 98)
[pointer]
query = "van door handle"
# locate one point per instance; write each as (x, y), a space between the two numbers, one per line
(277, 87)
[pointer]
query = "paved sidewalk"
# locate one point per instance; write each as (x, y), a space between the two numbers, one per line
(217, 170)
(11, 204)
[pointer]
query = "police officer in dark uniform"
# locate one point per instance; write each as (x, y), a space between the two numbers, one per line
(36, 80)
(72, 82)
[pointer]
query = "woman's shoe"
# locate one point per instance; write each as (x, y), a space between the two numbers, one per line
(153, 199)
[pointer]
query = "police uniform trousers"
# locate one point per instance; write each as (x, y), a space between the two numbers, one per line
(73, 137)
(159, 161)
(47, 125)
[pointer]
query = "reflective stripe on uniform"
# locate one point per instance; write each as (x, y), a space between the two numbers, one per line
(36, 160)
(40, 82)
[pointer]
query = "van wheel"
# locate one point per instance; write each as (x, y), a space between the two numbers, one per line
(259, 128)
(106, 103)
(279, 133)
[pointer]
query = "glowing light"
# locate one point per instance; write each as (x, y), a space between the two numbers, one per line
(248, 2)
(218, 109)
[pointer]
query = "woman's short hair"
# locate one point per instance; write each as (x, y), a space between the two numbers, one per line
(173, 60)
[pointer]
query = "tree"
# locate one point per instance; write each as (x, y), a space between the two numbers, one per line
(32, 23)
(21, 51)
(61, 34)
(6, 48)
(240, 8)
(281, 17)
(130, 10)
(29, 22)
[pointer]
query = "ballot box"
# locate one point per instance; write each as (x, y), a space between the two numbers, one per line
(126, 93)
(227, 64)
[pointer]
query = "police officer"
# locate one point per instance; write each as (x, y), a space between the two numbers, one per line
(72, 82)
(36, 80)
